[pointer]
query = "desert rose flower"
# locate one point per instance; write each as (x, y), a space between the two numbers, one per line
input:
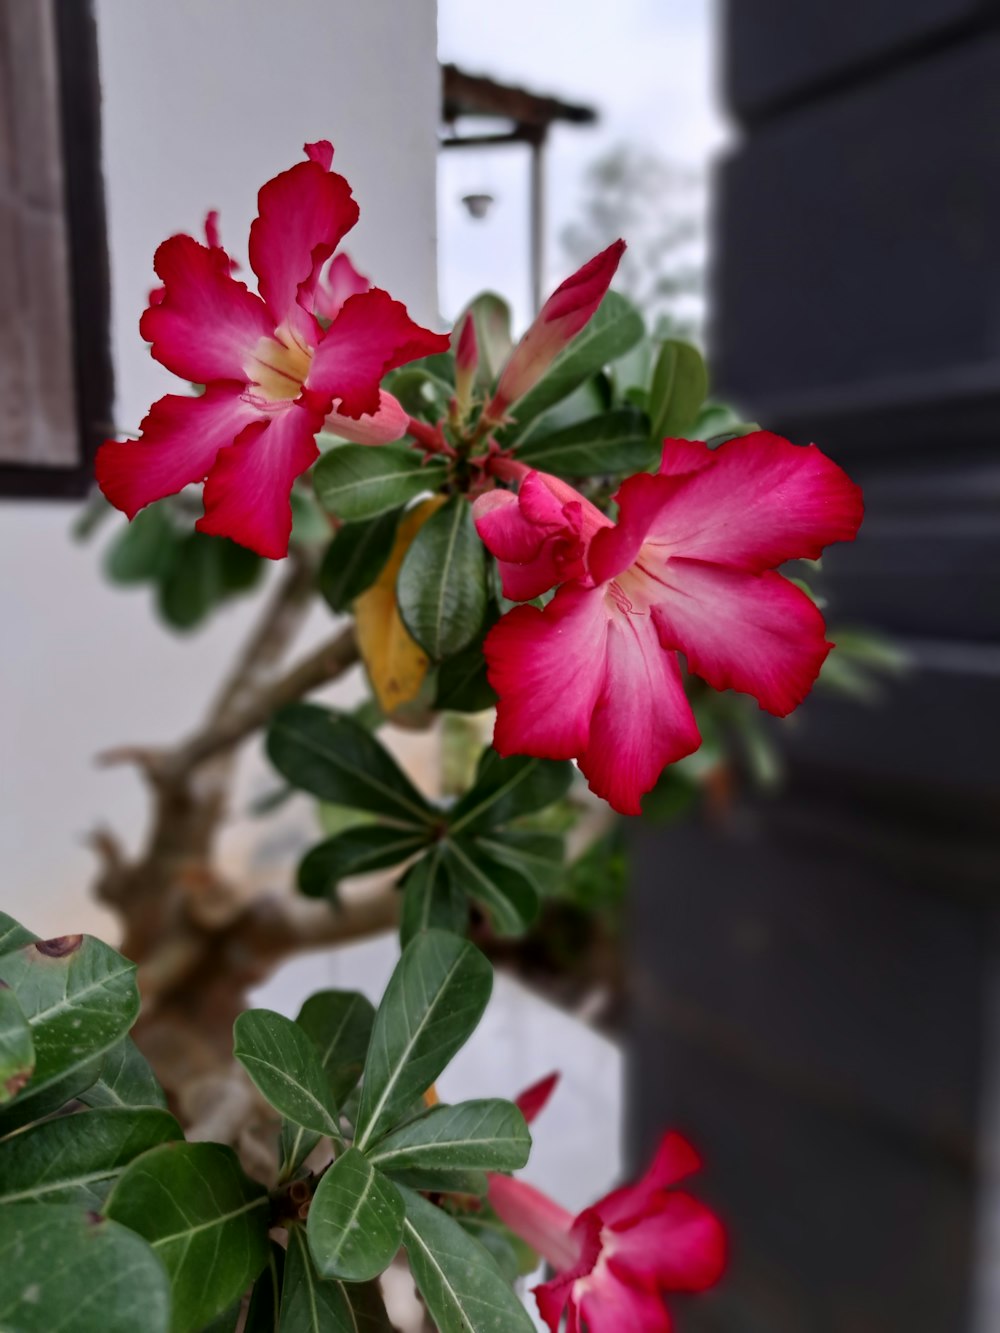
(688, 567)
(339, 280)
(615, 1262)
(271, 371)
(560, 319)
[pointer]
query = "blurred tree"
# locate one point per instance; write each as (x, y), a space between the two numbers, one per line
(632, 191)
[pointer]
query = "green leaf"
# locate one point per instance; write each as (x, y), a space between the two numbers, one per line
(355, 481)
(17, 1050)
(442, 1180)
(286, 1069)
(507, 895)
(538, 856)
(80, 998)
(613, 443)
(423, 394)
(143, 550)
(355, 852)
(486, 1135)
(336, 759)
(13, 935)
(680, 383)
(459, 1279)
(441, 588)
(77, 1158)
(434, 999)
(295, 1144)
(505, 789)
(615, 328)
(193, 582)
(431, 900)
(355, 1222)
(515, 1257)
(265, 1300)
(355, 558)
(462, 684)
(204, 1219)
(125, 1080)
(311, 1304)
(339, 1023)
(63, 1268)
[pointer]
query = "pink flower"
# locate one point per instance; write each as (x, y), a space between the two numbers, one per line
(560, 319)
(339, 280)
(271, 371)
(689, 567)
(616, 1259)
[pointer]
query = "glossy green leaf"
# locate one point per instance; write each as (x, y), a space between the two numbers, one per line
(355, 558)
(680, 383)
(505, 789)
(508, 896)
(460, 1281)
(62, 1268)
(356, 481)
(612, 444)
(339, 1023)
(441, 588)
(434, 999)
(615, 328)
(286, 1069)
(125, 1080)
(311, 1304)
(431, 899)
(357, 851)
(540, 857)
(486, 1135)
(514, 1257)
(13, 935)
(205, 1220)
(77, 1158)
(462, 683)
(355, 1222)
(17, 1050)
(142, 551)
(332, 756)
(295, 1143)
(192, 583)
(423, 394)
(80, 999)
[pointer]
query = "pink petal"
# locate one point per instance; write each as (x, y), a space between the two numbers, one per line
(642, 720)
(560, 319)
(679, 1245)
(755, 633)
(762, 501)
(203, 324)
(548, 669)
(538, 1220)
(641, 499)
(609, 1305)
(682, 456)
(321, 152)
(180, 439)
(303, 214)
(372, 335)
(674, 1160)
(552, 1297)
(336, 283)
(389, 423)
(532, 1101)
(247, 494)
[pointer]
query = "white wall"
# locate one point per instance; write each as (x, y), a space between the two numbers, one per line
(203, 101)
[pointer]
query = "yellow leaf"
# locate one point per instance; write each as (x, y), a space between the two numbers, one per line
(396, 665)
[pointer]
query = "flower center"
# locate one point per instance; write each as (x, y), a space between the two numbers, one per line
(277, 367)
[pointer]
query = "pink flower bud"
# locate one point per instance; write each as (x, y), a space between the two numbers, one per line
(466, 362)
(560, 319)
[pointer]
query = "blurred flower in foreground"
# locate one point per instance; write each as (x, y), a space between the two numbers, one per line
(615, 1261)
(272, 371)
(688, 567)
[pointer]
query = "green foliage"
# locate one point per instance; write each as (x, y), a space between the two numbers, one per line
(205, 1220)
(355, 558)
(612, 444)
(485, 1135)
(355, 1222)
(286, 1069)
(339, 1023)
(441, 588)
(458, 1278)
(310, 1304)
(677, 391)
(17, 1050)
(125, 1080)
(62, 1267)
(357, 482)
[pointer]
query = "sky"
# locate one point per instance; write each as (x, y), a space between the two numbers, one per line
(647, 66)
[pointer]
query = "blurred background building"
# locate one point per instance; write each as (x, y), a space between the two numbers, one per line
(812, 974)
